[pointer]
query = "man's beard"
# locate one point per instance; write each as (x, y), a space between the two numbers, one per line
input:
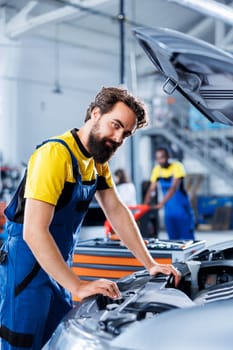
(98, 147)
(164, 165)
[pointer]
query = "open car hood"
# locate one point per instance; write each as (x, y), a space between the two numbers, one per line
(199, 71)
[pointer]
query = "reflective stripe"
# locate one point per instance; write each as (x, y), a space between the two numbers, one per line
(16, 339)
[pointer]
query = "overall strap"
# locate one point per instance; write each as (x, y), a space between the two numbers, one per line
(74, 160)
(36, 268)
(20, 287)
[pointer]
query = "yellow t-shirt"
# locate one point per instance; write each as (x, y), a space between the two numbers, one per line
(50, 168)
(175, 169)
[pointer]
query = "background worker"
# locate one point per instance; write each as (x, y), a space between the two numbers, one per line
(178, 213)
(125, 187)
(45, 216)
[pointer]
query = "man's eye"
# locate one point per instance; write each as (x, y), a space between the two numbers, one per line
(115, 125)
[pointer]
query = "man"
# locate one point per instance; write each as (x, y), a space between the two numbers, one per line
(178, 213)
(45, 216)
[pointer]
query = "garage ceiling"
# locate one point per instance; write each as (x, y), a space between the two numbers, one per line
(182, 15)
(93, 25)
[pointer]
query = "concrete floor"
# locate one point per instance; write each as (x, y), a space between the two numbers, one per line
(210, 237)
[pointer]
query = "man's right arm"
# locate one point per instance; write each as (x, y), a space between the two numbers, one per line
(150, 192)
(37, 219)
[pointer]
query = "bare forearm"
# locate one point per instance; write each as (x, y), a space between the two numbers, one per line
(168, 195)
(50, 259)
(150, 193)
(37, 219)
(171, 191)
(147, 198)
(125, 226)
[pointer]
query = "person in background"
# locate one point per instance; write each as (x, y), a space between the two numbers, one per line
(125, 187)
(45, 216)
(178, 213)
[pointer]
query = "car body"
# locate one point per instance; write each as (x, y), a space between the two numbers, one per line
(154, 314)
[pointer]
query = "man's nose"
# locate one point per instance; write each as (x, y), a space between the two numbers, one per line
(118, 136)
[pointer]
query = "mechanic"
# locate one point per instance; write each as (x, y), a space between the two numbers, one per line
(45, 216)
(178, 213)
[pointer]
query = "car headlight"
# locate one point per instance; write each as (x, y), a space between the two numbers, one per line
(70, 335)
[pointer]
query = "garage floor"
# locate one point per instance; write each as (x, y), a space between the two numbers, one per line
(89, 232)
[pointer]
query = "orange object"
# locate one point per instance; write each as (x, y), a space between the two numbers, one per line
(114, 260)
(105, 258)
(2, 216)
(93, 266)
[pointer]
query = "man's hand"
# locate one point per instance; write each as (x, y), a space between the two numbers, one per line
(158, 206)
(166, 269)
(100, 286)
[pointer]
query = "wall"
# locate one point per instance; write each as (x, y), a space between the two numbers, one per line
(8, 99)
(215, 185)
(30, 109)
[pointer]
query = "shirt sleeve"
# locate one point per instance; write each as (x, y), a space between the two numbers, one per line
(49, 168)
(179, 171)
(155, 174)
(105, 179)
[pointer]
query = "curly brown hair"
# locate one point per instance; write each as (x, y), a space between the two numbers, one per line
(109, 96)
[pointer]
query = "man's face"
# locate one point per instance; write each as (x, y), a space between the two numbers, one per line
(161, 158)
(109, 131)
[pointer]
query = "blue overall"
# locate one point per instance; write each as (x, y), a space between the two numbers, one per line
(32, 303)
(178, 213)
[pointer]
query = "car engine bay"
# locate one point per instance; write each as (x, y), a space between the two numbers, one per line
(207, 277)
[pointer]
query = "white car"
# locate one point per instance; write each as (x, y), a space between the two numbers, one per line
(152, 314)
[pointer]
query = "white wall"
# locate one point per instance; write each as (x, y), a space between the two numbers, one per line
(43, 114)
(30, 109)
(8, 99)
(215, 185)
(8, 120)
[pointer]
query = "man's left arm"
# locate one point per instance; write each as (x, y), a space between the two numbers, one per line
(169, 194)
(124, 225)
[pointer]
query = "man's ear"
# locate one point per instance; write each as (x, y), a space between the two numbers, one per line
(95, 113)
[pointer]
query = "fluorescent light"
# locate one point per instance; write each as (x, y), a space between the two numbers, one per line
(210, 8)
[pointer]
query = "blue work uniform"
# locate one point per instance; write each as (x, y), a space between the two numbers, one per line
(32, 303)
(178, 213)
